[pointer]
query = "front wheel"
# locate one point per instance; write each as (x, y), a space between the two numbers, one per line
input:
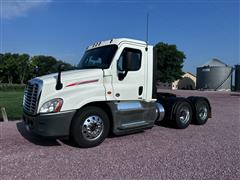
(90, 127)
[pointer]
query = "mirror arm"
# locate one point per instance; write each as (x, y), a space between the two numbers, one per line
(59, 84)
(122, 75)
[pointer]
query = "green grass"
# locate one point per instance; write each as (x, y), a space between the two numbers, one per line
(12, 101)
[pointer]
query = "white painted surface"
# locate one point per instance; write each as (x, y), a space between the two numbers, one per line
(107, 85)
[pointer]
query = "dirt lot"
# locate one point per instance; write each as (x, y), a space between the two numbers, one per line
(207, 152)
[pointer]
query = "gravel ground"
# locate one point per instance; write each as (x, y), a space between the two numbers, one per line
(211, 151)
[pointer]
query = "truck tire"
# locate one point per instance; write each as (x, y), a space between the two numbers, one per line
(90, 126)
(182, 114)
(202, 110)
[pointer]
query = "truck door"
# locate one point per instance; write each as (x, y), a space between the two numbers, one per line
(128, 84)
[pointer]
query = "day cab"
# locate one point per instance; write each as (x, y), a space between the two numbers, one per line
(113, 90)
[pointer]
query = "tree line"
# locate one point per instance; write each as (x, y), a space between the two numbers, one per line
(18, 68)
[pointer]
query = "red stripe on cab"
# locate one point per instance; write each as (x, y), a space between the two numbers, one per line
(82, 82)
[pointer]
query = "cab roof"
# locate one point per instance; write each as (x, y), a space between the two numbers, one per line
(115, 41)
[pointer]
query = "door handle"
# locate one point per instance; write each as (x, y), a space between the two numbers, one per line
(140, 90)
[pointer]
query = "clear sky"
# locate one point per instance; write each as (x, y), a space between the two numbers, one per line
(203, 29)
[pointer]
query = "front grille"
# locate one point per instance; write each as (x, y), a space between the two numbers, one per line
(31, 97)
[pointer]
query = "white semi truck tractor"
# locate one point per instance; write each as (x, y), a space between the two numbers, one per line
(112, 91)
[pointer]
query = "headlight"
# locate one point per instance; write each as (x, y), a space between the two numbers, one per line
(54, 105)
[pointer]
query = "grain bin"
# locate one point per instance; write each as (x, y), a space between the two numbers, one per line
(214, 75)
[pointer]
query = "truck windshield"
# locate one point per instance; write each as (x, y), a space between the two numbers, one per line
(98, 58)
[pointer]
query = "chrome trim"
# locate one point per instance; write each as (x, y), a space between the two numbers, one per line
(32, 96)
(184, 115)
(92, 128)
(134, 124)
(122, 106)
(160, 112)
(203, 113)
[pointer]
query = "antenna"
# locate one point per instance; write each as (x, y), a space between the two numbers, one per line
(147, 32)
(147, 29)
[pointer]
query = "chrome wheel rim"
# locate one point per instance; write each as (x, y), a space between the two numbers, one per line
(92, 128)
(203, 113)
(184, 115)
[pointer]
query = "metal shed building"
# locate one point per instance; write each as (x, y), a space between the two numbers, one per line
(214, 75)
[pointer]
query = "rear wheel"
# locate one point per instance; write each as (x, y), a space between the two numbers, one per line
(182, 114)
(90, 127)
(202, 110)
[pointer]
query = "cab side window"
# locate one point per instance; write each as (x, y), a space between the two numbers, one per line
(130, 58)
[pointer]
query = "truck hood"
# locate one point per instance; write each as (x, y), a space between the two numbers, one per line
(79, 86)
(72, 76)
